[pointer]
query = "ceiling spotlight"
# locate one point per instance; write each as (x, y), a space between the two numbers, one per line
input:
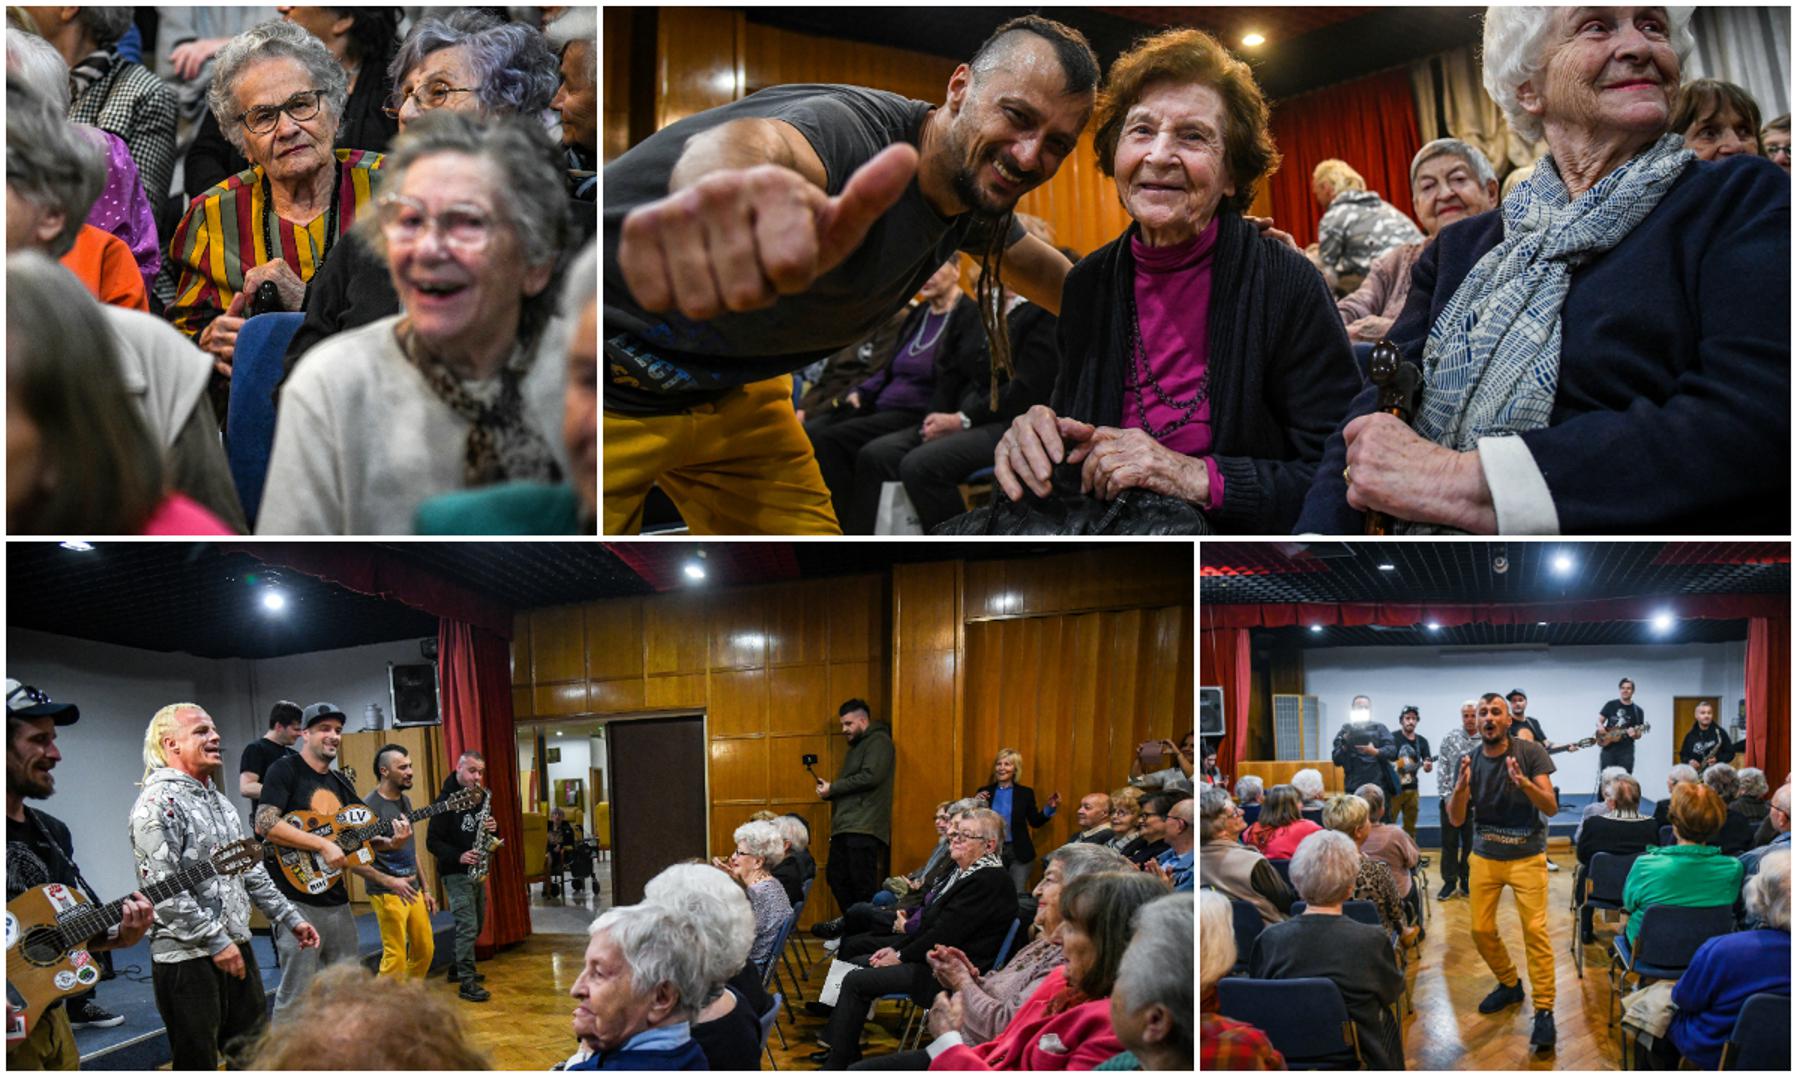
(1386, 567)
(1662, 622)
(694, 570)
(1563, 564)
(1253, 39)
(1542, 623)
(273, 600)
(1317, 629)
(76, 545)
(1433, 627)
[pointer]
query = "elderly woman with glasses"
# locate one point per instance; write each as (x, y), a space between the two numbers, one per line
(279, 94)
(450, 393)
(1583, 347)
(759, 847)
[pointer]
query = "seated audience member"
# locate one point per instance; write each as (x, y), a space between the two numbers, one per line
(1249, 792)
(1066, 1024)
(53, 175)
(1388, 843)
(728, 1025)
(972, 909)
(1093, 819)
(830, 380)
(888, 910)
(121, 209)
(1591, 328)
(1224, 1043)
(1153, 996)
(535, 507)
(1311, 786)
(362, 41)
(1018, 809)
(80, 458)
(1782, 836)
(1357, 227)
(470, 63)
(280, 94)
(1177, 863)
(1321, 943)
(1229, 416)
(1621, 830)
(1680, 774)
(559, 840)
(1690, 874)
(990, 1001)
(348, 1019)
(1605, 802)
(1736, 835)
(759, 847)
(643, 980)
(1177, 774)
(1153, 815)
(1451, 180)
(471, 221)
(1717, 119)
(1778, 143)
(1728, 969)
(1349, 815)
(111, 92)
(1237, 869)
(1280, 828)
(1753, 786)
(1126, 815)
(572, 36)
(940, 340)
(795, 864)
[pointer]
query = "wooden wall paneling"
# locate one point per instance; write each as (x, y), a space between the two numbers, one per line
(866, 679)
(800, 700)
(773, 56)
(519, 649)
(675, 692)
(522, 700)
(615, 695)
(855, 617)
(738, 702)
(798, 624)
(1081, 205)
(926, 607)
(558, 644)
(1079, 656)
(675, 633)
(615, 638)
(788, 779)
(559, 699)
(699, 61)
(739, 770)
(818, 821)
(928, 715)
(616, 71)
(736, 629)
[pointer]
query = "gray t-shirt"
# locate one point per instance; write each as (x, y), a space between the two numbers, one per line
(1507, 824)
(664, 363)
(402, 862)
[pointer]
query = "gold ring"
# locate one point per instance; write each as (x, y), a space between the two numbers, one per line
(1346, 476)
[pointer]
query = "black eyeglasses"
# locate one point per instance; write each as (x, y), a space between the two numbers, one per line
(1783, 149)
(262, 119)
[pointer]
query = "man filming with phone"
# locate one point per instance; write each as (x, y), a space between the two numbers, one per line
(861, 800)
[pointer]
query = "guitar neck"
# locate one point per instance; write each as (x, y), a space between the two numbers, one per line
(373, 829)
(93, 921)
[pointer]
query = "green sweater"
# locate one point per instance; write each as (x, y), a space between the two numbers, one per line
(1688, 875)
(862, 796)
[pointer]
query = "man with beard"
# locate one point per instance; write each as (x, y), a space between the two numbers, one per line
(1706, 743)
(1505, 788)
(307, 782)
(1527, 729)
(405, 922)
(40, 851)
(452, 840)
(1414, 753)
(1364, 749)
(1622, 718)
(744, 242)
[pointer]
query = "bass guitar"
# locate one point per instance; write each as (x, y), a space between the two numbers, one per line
(48, 928)
(351, 828)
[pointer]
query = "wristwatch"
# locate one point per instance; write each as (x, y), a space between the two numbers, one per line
(966, 422)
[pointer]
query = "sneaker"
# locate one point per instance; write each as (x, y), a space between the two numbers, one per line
(1551, 865)
(831, 945)
(1502, 997)
(814, 1008)
(1463, 890)
(87, 1014)
(1444, 893)
(1543, 1030)
(834, 928)
(472, 991)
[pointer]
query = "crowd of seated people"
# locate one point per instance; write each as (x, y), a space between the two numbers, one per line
(1279, 827)
(419, 190)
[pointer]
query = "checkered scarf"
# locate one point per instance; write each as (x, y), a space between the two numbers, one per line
(1494, 355)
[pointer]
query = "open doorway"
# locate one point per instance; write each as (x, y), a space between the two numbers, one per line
(563, 772)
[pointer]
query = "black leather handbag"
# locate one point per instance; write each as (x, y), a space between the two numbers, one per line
(1066, 511)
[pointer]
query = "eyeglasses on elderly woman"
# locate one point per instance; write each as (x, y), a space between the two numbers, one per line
(262, 119)
(430, 96)
(406, 221)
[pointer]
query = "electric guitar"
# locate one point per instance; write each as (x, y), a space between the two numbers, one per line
(351, 828)
(48, 927)
(1610, 737)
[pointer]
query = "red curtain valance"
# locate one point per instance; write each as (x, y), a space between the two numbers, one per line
(366, 569)
(1271, 616)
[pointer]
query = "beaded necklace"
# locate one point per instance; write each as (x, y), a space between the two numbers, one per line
(273, 239)
(1140, 376)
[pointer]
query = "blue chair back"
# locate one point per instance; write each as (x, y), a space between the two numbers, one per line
(1246, 923)
(256, 368)
(1317, 817)
(1251, 813)
(1305, 1019)
(1606, 875)
(767, 1020)
(1363, 911)
(1281, 867)
(1666, 835)
(787, 927)
(1669, 936)
(984, 475)
(1006, 945)
(1759, 1039)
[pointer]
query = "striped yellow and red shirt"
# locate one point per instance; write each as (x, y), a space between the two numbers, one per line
(221, 238)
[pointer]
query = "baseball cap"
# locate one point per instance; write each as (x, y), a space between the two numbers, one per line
(1404, 709)
(30, 703)
(323, 710)
(1519, 693)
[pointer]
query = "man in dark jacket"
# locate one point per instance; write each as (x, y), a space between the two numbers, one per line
(862, 799)
(1364, 749)
(971, 909)
(452, 840)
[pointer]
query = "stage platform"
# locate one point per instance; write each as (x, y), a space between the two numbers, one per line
(1561, 826)
(141, 1042)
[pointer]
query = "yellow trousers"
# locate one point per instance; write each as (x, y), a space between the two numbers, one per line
(405, 935)
(1529, 878)
(742, 464)
(51, 1045)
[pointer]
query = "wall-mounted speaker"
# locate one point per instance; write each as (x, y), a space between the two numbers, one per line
(413, 694)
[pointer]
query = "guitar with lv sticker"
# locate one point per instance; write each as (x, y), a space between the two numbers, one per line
(350, 827)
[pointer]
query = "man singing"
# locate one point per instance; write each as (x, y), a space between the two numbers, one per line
(1506, 789)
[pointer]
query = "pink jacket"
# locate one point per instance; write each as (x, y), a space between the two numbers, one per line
(1078, 1038)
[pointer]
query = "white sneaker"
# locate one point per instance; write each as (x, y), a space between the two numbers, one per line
(831, 946)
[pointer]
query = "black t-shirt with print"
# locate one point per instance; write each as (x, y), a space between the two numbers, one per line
(1616, 716)
(256, 758)
(1507, 824)
(290, 785)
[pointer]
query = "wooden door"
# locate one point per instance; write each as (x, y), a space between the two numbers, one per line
(658, 805)
(1684, 722)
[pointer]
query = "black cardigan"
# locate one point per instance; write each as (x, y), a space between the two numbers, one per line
(973, 915)
(1279, 366)
(1025, 817)
(1032, 332)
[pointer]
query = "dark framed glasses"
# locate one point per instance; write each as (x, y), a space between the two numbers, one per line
(262, 119)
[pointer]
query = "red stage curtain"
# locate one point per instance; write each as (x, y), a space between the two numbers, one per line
(1369, 123)
(475, 685)
(1269, 616)
(1768, 697)
(1225, 662)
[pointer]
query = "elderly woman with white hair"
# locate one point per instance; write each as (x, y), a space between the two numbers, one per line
(1236, 869)
(1222, 1039)
(728, 1026)
(1153, 996)
(1738, 833)
(1311, 786)
(1728, 969)
(1753, 786)
(1322, 944)
(760, 847)
(1582, 348)
(1680, 774)
(643, 980)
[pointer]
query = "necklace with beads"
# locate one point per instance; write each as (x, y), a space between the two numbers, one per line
(1140, 376)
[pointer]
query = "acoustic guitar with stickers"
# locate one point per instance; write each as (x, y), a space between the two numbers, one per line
(350, 828)
(48, 928)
